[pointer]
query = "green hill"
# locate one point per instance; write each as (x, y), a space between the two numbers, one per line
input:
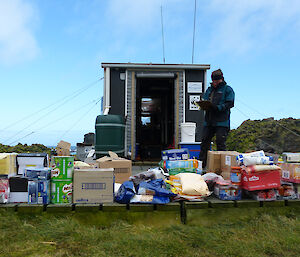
(20, 148)
(273, 136)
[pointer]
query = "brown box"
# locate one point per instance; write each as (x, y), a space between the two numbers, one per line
(214, 162)
(63, 148)
(228, 160)
(290, 172)
(93, 186)
(122, 167)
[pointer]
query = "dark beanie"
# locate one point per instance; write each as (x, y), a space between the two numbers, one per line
(217, 74)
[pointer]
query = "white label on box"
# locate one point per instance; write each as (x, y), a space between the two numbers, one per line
(286, 174)
(228, 160)
(194, 87)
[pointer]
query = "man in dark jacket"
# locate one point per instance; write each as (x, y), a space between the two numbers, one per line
(218, 99)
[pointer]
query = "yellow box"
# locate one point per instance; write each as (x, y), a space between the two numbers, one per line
(8, 165)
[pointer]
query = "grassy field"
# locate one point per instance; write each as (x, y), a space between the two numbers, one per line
(241, 232)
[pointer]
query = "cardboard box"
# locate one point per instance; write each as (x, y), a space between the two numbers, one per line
(261, 180)
(286, 191)
(62, 168)
(39, 192)
(8, 164)
(263, 195)
(122, 167)
(290, 172)
(4, 190)
(228, 160)
(18, 190)
(93, 186)
(214, 162)
(31, 160)
(63, 148)
(175, 154)
(38, 173)
(228, 192)
(61, 191)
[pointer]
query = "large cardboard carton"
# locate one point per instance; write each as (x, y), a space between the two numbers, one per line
(214, 162)
(8, 164)
(228, 160)
(290, 172)
(61, 191)
(63, 148)
(93, 186)
(175, 154)
(18, 187)
(122, 167)
(62, 168)
(39, 191)
(261, 180)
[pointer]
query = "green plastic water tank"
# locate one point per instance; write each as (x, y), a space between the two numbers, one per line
(110, 135)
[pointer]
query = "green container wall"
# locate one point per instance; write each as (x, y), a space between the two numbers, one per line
(110, 135)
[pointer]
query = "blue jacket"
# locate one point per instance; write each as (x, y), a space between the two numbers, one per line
(223, 97)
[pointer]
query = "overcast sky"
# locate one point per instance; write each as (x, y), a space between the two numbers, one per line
(51, 51)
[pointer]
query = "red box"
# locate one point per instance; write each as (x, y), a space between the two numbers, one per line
(261, 180)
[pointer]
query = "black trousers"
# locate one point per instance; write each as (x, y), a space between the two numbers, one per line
(208, 133)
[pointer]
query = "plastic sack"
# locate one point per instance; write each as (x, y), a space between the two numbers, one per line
(260, 168)
(125, 192)
(150, 174)
(193, 184)
(248, 161)
(241, 157)
(154, 187)
(150, 199)
(167, 165)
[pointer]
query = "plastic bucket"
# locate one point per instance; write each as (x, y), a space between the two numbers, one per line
(188, 132)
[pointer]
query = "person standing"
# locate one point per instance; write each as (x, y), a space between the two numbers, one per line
(217, 101)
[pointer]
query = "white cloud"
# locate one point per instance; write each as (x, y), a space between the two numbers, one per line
(134, 16)
(239, 27)
(17, 42)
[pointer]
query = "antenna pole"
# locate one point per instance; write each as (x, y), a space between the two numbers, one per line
(162, 34)
(194, 32)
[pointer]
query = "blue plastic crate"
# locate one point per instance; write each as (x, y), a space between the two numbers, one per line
(194, 149)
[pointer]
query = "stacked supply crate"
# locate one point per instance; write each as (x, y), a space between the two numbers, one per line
(290, 176)
(62, 179)
(38, 185)
(8, 168)
(176, 161)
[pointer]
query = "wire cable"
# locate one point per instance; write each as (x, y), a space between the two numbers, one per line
(50, 123)
(78, 120)
(56, 102)
(45, 115)
(194, 31)
(293, 132)
(162, 33)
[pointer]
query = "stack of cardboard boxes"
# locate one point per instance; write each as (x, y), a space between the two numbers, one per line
(290, 176)
(62, 179)
(8, 168)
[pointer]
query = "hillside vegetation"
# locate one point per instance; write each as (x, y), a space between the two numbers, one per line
(20, 148)
(273, 136)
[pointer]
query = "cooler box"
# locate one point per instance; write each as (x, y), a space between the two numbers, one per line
(31, 160)
(194, 149)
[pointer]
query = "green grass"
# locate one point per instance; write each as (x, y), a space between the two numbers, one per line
(220, 232)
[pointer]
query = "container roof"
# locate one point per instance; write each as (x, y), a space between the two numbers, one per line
(155, 66)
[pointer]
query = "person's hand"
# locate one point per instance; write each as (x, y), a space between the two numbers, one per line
(214, 107)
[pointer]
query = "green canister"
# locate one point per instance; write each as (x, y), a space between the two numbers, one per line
(63, 168)
(61, 191)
